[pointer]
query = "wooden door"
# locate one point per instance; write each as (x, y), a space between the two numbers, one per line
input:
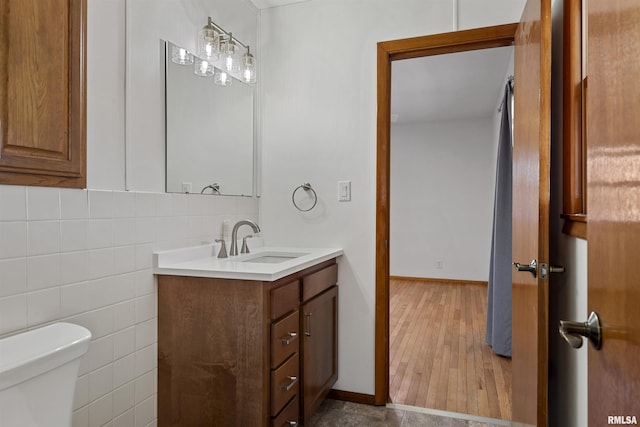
(531, 212)
(320, 349)
(613, 188)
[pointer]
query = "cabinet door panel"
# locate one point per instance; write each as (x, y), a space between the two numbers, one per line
(320, 349)
(43, 92)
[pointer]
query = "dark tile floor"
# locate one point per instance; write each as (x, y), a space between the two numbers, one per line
(335, 413)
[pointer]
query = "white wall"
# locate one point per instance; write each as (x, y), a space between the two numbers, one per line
(442, 195)
(318, 96)
(106, 94)
(84, 256)
(568, 373)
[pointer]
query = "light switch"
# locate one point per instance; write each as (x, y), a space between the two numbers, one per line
(344, 191)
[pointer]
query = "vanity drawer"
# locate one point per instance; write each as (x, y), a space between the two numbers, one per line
(289, 417)
(285, 336)
(316, 283)
(285, 299)
(284, 384)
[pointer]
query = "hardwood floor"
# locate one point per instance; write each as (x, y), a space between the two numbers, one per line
(438, 355)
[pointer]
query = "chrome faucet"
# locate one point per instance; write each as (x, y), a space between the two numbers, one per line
(234, 234)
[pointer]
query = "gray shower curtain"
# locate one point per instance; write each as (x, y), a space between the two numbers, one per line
(499, 295)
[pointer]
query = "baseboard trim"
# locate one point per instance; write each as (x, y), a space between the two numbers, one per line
(349, 396)
(447, 281)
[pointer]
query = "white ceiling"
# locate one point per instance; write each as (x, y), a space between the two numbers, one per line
(447, 87)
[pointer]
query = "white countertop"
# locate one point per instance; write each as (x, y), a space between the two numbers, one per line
(202, 261)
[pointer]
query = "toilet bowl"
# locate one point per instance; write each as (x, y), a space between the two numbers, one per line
(38, 372)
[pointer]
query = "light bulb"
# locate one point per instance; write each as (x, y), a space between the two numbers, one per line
(222, 78)
(181, 56)
(210, 52)
(249, 76)
(203, 68)
(229, 63)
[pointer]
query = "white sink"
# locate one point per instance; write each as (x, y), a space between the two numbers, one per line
(271, 257)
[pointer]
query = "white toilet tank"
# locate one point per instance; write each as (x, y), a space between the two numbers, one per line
(38, 372)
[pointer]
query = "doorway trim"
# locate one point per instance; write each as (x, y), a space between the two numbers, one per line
(437, 44)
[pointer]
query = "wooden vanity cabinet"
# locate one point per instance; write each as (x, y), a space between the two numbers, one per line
(233, 352)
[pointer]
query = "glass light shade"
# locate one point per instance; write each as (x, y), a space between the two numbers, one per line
(228, 54)
(249, 68)
(222, 78)
(181, 56)
(209, 42)
(203, 68)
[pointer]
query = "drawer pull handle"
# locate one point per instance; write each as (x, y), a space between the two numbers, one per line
(293, 382)
(307, 332)
(286, 340)
(290, 423)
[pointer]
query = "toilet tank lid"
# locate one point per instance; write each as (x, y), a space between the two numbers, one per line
(34, 352)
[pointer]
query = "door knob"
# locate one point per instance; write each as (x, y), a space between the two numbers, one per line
(531, 268)
(572, 332)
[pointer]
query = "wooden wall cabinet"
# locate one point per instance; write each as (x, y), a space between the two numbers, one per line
(43, 92)
(233, 352)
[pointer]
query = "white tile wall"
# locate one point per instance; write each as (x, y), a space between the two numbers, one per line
(85, 257)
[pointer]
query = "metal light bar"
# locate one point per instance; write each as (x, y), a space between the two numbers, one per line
(226, 33)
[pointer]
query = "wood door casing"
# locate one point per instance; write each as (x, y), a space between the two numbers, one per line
(388, 51)
(613, 182)
(531, 183)
(43, 92)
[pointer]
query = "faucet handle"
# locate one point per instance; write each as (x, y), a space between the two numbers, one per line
(245, 248)
(223, 249)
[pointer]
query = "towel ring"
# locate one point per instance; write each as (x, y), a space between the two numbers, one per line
(306, 187)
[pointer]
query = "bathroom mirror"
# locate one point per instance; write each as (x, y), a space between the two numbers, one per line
(209, 133)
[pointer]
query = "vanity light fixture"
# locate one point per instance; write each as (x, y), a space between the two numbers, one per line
(218, 56)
